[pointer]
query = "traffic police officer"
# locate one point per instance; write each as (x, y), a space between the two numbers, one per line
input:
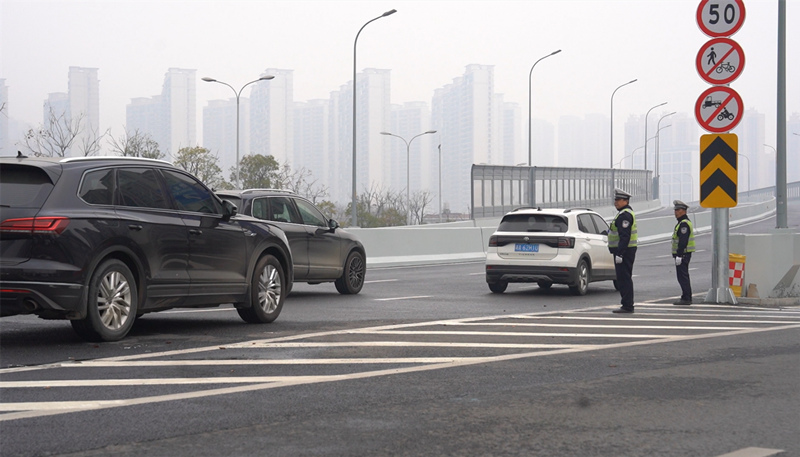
(622, 243)
(682, 248)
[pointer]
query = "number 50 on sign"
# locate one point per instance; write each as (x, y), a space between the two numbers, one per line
(718, 18)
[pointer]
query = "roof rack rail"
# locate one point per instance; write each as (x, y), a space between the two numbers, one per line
(538, 208)
(576, 209)
(259, 189)
(131, 158)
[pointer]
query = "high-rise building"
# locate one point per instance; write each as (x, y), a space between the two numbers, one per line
(407, 121)
(511, 134)
(84, 102)
(5, 141)
(751, 133)
(311, 141)
(678, 158)
(466, 114)
(543, 149)
(219, 131)
(271, 103)
(170, 118)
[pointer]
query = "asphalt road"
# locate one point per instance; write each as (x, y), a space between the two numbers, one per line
(425, 361)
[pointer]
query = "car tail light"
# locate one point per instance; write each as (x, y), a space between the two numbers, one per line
(35, 225)
(566, 242)
(493, 241)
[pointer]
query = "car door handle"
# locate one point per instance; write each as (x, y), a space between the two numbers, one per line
(135, 227)
(195, 232)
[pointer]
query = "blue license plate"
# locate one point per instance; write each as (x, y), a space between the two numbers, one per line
(524, 247)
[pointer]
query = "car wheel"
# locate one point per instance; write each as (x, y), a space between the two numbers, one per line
(352, 279)
(498, 287)
(582, 281)
(113, 300)
(544, 284)
(267, 292)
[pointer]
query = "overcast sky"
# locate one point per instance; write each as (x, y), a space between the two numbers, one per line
(425, 44)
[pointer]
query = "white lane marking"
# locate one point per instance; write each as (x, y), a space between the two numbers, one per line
(569, 335)
(403, 298)
(476, 274)
(379, 280)
(326, 344)
(753, 452)
(30, 409)
(542, 324)
(238, 362)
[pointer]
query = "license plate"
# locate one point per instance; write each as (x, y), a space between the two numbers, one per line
(524, 247)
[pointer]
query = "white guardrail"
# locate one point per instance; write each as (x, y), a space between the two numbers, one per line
(466, 241)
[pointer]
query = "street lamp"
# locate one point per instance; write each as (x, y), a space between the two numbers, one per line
(238, 94)
(530, 74)
(354, 210)
(645, 131)
(408, 168)
(748, 173)
(440, 183)
(611, 154)
(658, 141)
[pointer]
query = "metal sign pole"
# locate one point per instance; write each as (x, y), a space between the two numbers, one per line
(720, 292)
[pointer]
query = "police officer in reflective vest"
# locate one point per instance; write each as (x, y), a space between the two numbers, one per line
(682, 249)
(622, 242)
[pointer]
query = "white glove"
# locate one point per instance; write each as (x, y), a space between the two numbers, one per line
(678, 261)
(617, 259)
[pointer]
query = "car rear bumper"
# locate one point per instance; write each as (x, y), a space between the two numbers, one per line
(48, 300)
(506, 273)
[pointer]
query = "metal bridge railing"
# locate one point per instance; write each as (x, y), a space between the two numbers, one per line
(497, 189)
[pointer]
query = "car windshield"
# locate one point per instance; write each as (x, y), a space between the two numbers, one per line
(533, 223)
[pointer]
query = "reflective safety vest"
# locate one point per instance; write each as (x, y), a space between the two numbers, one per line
(690, 244)
(613, 234)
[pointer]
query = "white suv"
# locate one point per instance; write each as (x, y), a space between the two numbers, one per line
(549, 246)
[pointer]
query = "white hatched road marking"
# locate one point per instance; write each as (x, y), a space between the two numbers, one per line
(747, 320)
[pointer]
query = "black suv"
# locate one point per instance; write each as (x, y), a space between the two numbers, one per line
(321, 250)
(101, 240)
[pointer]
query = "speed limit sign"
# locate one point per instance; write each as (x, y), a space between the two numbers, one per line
(718, 18)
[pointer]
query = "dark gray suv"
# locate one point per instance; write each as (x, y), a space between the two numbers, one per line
(321, 250)
(100, 241)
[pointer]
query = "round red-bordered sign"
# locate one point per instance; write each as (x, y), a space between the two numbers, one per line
(720, 61)
(718, 18)
(719, 109)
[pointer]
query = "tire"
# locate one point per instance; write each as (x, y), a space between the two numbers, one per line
(546, 285)
(112, 303)
(498, 287)
(352, 279)
(267, 292)
(582, 281)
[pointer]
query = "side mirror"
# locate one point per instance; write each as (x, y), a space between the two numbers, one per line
(604, 232)
(230, 209)
(332, 224)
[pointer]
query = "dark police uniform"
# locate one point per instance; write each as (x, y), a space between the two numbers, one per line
(682, 248)
(622, 243)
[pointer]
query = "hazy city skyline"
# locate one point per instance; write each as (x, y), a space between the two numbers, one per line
(425, 45)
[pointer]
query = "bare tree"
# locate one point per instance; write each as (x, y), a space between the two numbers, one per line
(419, 201)
(90, 143)
(301, 182)
(138, 144)
(56, 137)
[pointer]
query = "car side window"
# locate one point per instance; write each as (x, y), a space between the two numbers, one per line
(585, 224)
(190, 195)
(282, 210)
(601, 224)
(97, 187)
(260, 208)
(140, 188)
(310, 214)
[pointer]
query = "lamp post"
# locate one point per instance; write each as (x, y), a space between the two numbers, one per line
(354, 209)
(530, 75)
(238, 94)
(440, 183)
(658, 141)
(611, 149)
(408, 168)
(748, 173)
(645, 131)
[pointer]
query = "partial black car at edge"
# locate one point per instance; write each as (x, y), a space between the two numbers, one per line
(321, 250)
(102, 240)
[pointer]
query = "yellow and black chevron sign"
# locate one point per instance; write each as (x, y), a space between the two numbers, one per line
(718, 170)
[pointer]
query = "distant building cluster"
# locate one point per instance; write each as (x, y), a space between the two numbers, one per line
(474, 125)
